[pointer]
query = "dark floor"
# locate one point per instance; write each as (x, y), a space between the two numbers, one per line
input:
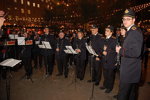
(59, 88)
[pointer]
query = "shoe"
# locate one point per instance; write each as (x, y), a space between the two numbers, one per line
(96, 83)
(108, 91)
(102, 88)
(46, 75)
(115, 96)
(58, 74)
(66, 76)
(91, 81)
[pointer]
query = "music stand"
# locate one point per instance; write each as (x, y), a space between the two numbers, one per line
(21, 41)
(93, 53)
(45, 45)
(9, 63)
(70, 50)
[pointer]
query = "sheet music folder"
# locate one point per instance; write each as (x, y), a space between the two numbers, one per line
(90, 50)
(10, 62)
(70, 50)
(45, 45)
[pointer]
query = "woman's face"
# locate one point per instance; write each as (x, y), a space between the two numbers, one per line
(123, 32)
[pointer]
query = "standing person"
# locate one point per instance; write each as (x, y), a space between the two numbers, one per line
(26, 57)
(123, 31)
(108, 59)
(97, 45)
(80, 58)
(61, 56)
(48, 54)
(130, 69)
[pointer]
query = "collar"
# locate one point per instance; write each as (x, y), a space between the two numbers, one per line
(129, 27)
(108, 37)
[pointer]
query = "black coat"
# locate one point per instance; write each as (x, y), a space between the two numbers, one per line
(26, 50)
(51, 40)
(130, 69)
(109, 60)
(80, 44)
(97, 44)
(61, 44)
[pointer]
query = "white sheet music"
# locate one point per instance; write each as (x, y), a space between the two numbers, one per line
(37, 42)
(41, 46)
(70, 50)
(21, 40)
(47, 45)
(12, 36)
(90, 50)
(10, 62)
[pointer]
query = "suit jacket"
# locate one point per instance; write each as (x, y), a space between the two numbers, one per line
(97, 44)
(130, 69)
(109, 60)
(80, 44)
(61, 44)
(51, 40)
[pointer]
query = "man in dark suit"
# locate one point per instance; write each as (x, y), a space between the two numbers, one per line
(130, 69)
(80, 58)
(97, 45)
(108, 59)
(61, 56)
(48, 54)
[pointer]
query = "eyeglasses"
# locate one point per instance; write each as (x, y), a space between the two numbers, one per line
(127, 19)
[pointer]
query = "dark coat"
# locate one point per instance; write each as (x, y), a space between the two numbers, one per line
(130, 69)
(61, 44)
(51, 40)
(109, 60)
(80, 44)
(97, 44)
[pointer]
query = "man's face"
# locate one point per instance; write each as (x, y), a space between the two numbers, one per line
(128, 21)
(94, 31)
(46, 30)
(80, 35)
(108, 32)
(61, 35)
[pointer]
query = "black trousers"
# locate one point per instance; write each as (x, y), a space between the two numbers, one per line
(96, 70)
(128, 91)
(62, 64)
(109, 77)
(80, 68)
(49, 64)
(27, 65)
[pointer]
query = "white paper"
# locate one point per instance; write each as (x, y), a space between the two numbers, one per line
(41, 46)
(68, 51)
(21, 40)
(47, 45)
(37, 42)
(10, 62)
(90, 50)
(71, 50)
(12, 36)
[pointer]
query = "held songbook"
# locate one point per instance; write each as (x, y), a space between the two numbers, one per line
(70, 50)
(90, 50)
(45, 45)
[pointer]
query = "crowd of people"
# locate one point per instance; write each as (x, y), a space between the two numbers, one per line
(121, 49)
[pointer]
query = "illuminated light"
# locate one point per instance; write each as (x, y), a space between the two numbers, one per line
(22, 2)
(28, 3)
(67, 5)
(33, 4)
(58, 3)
